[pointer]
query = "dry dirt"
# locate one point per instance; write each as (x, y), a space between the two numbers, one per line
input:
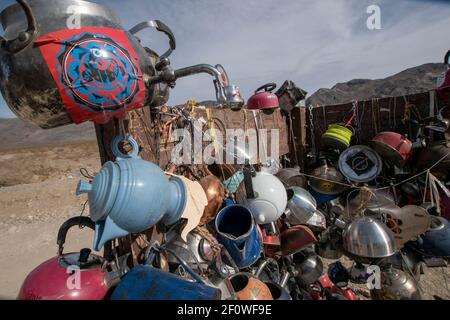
(37, 193)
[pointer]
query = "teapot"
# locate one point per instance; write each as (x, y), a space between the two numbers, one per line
(131, 195)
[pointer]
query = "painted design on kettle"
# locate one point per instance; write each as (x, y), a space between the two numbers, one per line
(96, 70)
(98, 73)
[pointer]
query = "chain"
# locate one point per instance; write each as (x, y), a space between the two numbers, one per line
(311, 128)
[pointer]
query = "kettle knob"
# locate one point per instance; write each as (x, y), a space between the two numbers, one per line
(84, 255)
(83, 187)
(261, 218)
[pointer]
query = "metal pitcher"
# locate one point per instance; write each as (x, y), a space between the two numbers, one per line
(239, 234)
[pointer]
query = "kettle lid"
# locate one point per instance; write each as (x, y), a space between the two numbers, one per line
(84, 259)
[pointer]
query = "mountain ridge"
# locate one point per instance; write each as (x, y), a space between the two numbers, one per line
(410, 81)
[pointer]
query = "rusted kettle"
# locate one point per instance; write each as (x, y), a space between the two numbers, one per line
(70, 61)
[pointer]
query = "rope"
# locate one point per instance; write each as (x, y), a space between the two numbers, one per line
(365, 196)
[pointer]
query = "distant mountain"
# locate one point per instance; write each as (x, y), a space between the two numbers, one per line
(15, 133)
(410, 81)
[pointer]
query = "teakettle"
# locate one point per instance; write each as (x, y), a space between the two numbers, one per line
(68, 276)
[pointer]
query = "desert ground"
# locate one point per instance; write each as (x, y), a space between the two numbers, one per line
(37, 193)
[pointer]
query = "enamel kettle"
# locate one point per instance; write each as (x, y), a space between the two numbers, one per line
(131, 195)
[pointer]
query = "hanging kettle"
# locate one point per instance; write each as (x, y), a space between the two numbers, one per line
(428, 159)
(309, 267)
(360, 164)
(301, 205)
(445, 82)
(68, 276)
(239, 234)
(265, 99)
(131, 195)
(393, 147)
(70, 61)
(197, 251)
(270, 198)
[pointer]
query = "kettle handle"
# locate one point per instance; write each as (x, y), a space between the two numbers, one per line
(82, 222)
(25, 37)
(267, 87)
(160, 26)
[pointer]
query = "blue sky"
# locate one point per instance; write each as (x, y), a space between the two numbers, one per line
(314, 43)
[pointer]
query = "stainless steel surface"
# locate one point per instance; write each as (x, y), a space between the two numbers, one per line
(396, 285)
(197, 251)
(309, 267)
(369, 238)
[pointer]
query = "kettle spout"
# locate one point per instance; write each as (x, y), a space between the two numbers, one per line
(106, 230)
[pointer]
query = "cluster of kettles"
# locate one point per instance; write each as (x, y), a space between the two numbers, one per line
(260, 238)
(264, 230)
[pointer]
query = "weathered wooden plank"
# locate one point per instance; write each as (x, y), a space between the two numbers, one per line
(146, 128)
(374, 115)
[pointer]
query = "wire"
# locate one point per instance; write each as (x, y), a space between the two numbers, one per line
(382, 188)
(81, 214)
(417, 175)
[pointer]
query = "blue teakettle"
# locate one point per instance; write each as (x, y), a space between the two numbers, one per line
(239, 234)
(131, 195)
